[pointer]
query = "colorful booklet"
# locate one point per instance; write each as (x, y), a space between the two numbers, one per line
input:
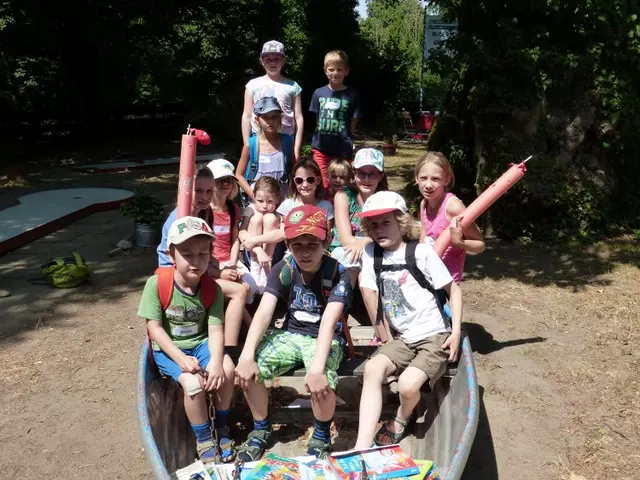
(195, 471)
(383, 462)
(316, 470)
(275, 467)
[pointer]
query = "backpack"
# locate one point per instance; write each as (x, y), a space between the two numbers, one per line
(252, 167)
(412, 268)
(329, 269)
(66, 272)
(208, 288)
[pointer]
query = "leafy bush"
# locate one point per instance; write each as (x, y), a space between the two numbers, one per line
(143, 208)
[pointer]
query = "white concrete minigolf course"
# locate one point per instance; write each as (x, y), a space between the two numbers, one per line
(39, 214)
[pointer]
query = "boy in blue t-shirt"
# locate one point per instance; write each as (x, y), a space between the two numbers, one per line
(337, 108)
(317, 297)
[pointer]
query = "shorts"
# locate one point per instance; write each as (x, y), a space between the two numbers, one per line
(282, 351)
(426, 355)
(345, 260)
(246, 277)
(171, 369)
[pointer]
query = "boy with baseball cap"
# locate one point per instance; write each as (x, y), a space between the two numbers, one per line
(183, 309)
(317, 291)
(400, 277)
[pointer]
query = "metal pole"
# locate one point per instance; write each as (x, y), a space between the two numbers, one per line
(424, 40)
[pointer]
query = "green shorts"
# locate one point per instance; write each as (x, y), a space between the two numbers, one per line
(280, 352)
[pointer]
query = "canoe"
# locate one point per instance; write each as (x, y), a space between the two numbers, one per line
(444, 434)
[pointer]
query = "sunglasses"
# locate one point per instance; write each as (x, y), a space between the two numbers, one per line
(301, 180)
(225, 180)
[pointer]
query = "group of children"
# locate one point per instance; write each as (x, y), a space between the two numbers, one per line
(336, 226)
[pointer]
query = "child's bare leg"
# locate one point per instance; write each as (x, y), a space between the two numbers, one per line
(225, 394)
(237, 296)
(409, 385)
(255, 224)
(257, 397)
(270, 223)
(195, 406)
(325, 409)
(376, 371)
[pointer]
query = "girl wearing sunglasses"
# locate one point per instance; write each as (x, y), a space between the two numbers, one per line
(306, 189)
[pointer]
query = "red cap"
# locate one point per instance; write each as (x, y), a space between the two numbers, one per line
(202, 136)
(306, 220)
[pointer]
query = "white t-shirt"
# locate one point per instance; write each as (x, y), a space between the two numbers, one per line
(290, 203)
(286, 93)
(412, 311)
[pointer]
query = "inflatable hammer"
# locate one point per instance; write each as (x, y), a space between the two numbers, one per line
(190, 142)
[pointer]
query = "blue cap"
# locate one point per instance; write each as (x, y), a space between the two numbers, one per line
(266, 105)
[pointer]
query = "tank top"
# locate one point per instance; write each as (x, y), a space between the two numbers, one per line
(354, 209)
(222, 230)
(272, 165)
(434, 225)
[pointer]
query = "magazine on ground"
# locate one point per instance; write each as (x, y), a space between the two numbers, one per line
(383, 462)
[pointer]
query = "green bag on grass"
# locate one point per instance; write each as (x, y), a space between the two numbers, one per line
(66, 272)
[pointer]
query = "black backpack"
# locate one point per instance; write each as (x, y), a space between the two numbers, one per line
(410, 265)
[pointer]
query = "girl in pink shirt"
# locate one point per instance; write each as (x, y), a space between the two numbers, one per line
(440, 209)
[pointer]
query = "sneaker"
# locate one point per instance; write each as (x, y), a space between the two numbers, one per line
(208, 451)
(318, 448)
(255, 445)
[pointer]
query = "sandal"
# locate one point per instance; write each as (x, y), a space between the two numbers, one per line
(318, 448)
(208, 451)
(227, 446)
(385, 436)
(255, 445)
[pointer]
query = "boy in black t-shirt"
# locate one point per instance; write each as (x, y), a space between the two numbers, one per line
(312, 334)
(337, 108)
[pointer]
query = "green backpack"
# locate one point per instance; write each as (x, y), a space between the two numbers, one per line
(66, 272)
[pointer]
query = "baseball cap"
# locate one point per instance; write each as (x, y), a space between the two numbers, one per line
(272, 47)
(221, 168)
(306, 220)
(266, 105)
(369, 156)
(383, 202)
(182, 229)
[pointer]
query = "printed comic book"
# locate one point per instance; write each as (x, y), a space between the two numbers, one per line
(275, 467)
(383, 462)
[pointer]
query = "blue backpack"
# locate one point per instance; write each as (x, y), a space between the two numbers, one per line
(252, 167)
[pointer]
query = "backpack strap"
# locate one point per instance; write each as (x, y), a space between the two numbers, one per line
(377, 269)
(252, 167)
(208, 291)
(410, 259)
(165, 285)
(287, 149)
(231, 206)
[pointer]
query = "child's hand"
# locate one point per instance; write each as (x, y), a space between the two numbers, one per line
(190, 365)
(229, 273)
(452, 344)
(247, 371)
(249, 244)
(457, 239)
(215, 377)
(354, 249)
(263, 259)
(317, 386)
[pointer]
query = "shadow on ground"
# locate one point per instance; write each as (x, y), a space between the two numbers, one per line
(482, 341)
(482, 463)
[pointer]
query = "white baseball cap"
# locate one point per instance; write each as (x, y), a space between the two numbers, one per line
(369, 156)
(383, 202)
(221, 168)
(182, 229)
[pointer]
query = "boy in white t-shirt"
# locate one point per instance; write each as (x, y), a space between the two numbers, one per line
(423, 341)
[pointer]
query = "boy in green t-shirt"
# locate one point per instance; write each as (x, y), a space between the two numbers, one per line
(188, 340)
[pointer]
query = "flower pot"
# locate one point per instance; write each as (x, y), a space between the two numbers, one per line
(146, 235)
(389, 148)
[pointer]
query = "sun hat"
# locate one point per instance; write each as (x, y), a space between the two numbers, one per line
(306, 220)
(369, 156)
(221, 168)
(266, 105)
(182, 229)
(383, 202)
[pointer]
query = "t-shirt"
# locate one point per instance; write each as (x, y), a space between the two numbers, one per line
(290, 203)
(286, 93)
(305, 303)
(185, 320)
(163, 258)
(412, 311)
(335, 109)
(222, 230)
(354, 209)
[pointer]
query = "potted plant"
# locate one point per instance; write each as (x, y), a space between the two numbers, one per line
(390, 144)
(390, 132)
(148, 213)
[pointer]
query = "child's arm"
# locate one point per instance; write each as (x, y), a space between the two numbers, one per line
(297, 109)
(274, 236)
(235, 241)
(247, 113)
(423, 235)
(455, 302)
(354, 124)
(157, 333)
(240, 171)
(215, 373)
(370, 299)
(470, 239)
(351, 244)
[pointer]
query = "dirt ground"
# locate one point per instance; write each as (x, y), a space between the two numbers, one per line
(554, 330)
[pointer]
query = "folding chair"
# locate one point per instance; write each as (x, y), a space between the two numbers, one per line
(411, 132)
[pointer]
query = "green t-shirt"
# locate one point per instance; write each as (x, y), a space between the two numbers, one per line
(185, 320)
